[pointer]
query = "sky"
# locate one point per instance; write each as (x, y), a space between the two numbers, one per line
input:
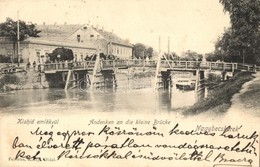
(189, 24)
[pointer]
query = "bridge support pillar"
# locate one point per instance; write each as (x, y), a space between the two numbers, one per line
(200, 85)
(166, 79)
(105, 79)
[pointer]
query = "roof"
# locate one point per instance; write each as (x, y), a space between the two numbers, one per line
(112, 37)
(62, 32)
(88, 45)
(57, 32)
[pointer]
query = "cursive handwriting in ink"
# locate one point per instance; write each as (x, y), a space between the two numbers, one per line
(222, 158)
(39, 132)
(128, 143)
(225, 134)
(20, 145)
(22, 154)
(176, 131)
(118, 131)
(252, 136)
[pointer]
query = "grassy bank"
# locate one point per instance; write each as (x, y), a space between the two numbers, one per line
(219, 98)
(251, 97)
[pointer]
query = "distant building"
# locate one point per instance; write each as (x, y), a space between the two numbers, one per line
(84, 40)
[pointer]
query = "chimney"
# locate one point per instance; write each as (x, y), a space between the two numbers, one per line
(43, 23)
(102, 28)
(97, 26)
(112, 31)
(65, 23)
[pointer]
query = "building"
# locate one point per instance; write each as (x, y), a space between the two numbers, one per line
(83, 40)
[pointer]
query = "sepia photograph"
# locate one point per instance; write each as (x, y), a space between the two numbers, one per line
(129, 83)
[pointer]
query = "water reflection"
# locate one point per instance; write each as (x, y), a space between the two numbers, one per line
(141, 98)
(106, 101)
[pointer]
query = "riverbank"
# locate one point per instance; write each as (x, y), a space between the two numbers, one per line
(23, 80)
(247, 100)
(219, 98)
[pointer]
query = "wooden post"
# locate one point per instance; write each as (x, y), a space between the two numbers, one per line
(96, 66)
(68, 80)
(197, 80)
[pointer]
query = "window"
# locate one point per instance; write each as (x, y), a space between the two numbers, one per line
(91, 35)
(9, 53)
(76, 56)
(46, 55)
(81, 57)
(78, 38)
(38, 55)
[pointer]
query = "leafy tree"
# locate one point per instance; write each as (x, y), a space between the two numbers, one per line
(192, 56)
(149, 52)
(242, 39)
(140, 51)
(9, 28)
(60, 54)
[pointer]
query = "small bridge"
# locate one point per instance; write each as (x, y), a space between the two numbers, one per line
(101, 70)
(165, 64)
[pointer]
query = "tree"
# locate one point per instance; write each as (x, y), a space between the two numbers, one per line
(140, 51)
(243, 36)
(192, 56)
(9, 28)
(60, 54)
(149, 52)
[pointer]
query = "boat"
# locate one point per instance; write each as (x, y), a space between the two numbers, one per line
(185, 84)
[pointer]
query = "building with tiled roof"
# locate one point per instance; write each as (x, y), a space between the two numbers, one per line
(84, 40)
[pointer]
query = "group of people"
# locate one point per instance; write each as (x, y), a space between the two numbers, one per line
(28, 66)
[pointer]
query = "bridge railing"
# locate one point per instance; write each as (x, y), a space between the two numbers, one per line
(218, 66)
(201, 65)
(247, 67)
(149, 63)
(135, 63)
(179, 64)
(68, 65)
(113, 63)
(83, 65)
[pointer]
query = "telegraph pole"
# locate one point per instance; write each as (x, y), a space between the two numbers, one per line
(18, 39)
(159, 45)
(168, 45)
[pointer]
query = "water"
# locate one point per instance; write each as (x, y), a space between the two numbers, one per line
(131, 100)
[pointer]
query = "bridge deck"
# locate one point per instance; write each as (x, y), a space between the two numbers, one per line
(165, 65)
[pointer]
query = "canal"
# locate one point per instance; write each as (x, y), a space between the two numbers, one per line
(131, 95)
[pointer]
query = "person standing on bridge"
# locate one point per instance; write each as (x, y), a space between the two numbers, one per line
(28, 65)
(66, 64)
(34, 66)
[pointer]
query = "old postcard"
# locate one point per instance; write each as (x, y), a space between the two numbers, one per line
(129, 83)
